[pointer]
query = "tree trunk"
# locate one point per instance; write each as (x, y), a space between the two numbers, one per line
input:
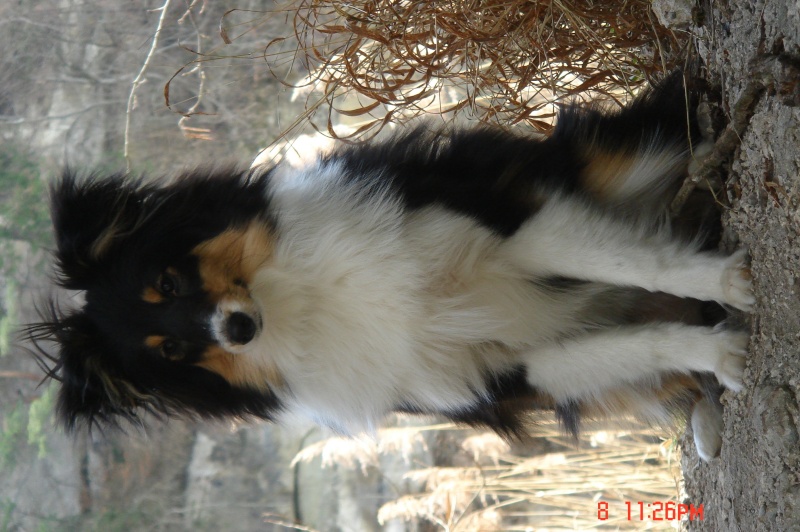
(752, 52)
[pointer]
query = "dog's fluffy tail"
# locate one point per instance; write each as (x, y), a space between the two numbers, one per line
(636, 159)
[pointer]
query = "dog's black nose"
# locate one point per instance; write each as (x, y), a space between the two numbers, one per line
(240, 328)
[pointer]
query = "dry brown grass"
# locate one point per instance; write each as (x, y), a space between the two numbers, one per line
(502, 490)
(372, 62)
(557, 491)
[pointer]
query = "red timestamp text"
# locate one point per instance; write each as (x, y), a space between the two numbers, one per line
(654, 511)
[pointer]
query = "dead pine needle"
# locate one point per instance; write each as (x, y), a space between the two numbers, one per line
(502, 61)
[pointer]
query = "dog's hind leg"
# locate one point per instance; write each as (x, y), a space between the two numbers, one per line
(569, 238)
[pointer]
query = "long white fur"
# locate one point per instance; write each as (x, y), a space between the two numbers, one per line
(366, 306)
(571, 239)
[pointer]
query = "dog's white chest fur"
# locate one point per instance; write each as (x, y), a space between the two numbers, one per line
(368, 307)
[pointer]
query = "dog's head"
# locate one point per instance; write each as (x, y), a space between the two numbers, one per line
(165, 271)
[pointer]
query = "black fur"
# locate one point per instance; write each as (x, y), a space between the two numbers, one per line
(115, 235)
(498, 177)
(103, 339)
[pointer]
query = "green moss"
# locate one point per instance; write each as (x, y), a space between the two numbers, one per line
(40, 415)
(11, 437)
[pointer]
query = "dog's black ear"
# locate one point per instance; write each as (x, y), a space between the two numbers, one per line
(90, 217)
(92, 389)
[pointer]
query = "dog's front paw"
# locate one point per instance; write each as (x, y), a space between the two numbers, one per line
(731, 363)
(737, 283)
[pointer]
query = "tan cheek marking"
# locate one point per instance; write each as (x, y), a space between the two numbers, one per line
(234, 254)
(236, 370)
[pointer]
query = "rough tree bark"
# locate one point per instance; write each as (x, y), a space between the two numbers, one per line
(752, 54)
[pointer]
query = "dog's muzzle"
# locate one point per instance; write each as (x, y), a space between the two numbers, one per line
(235, 324)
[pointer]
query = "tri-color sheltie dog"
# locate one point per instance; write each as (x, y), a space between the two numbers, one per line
(473, 274)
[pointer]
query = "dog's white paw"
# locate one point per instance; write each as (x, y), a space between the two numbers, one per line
(737, 283)
(707, 428)
(731, 362)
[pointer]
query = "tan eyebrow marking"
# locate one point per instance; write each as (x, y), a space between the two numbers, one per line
(151, 295)
(154, 341)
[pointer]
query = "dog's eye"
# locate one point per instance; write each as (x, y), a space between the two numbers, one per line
(168, 284)
(171, 350)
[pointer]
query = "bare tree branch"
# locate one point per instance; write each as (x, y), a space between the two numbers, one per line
(188, 131)
(20, 375)
(139, 79)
